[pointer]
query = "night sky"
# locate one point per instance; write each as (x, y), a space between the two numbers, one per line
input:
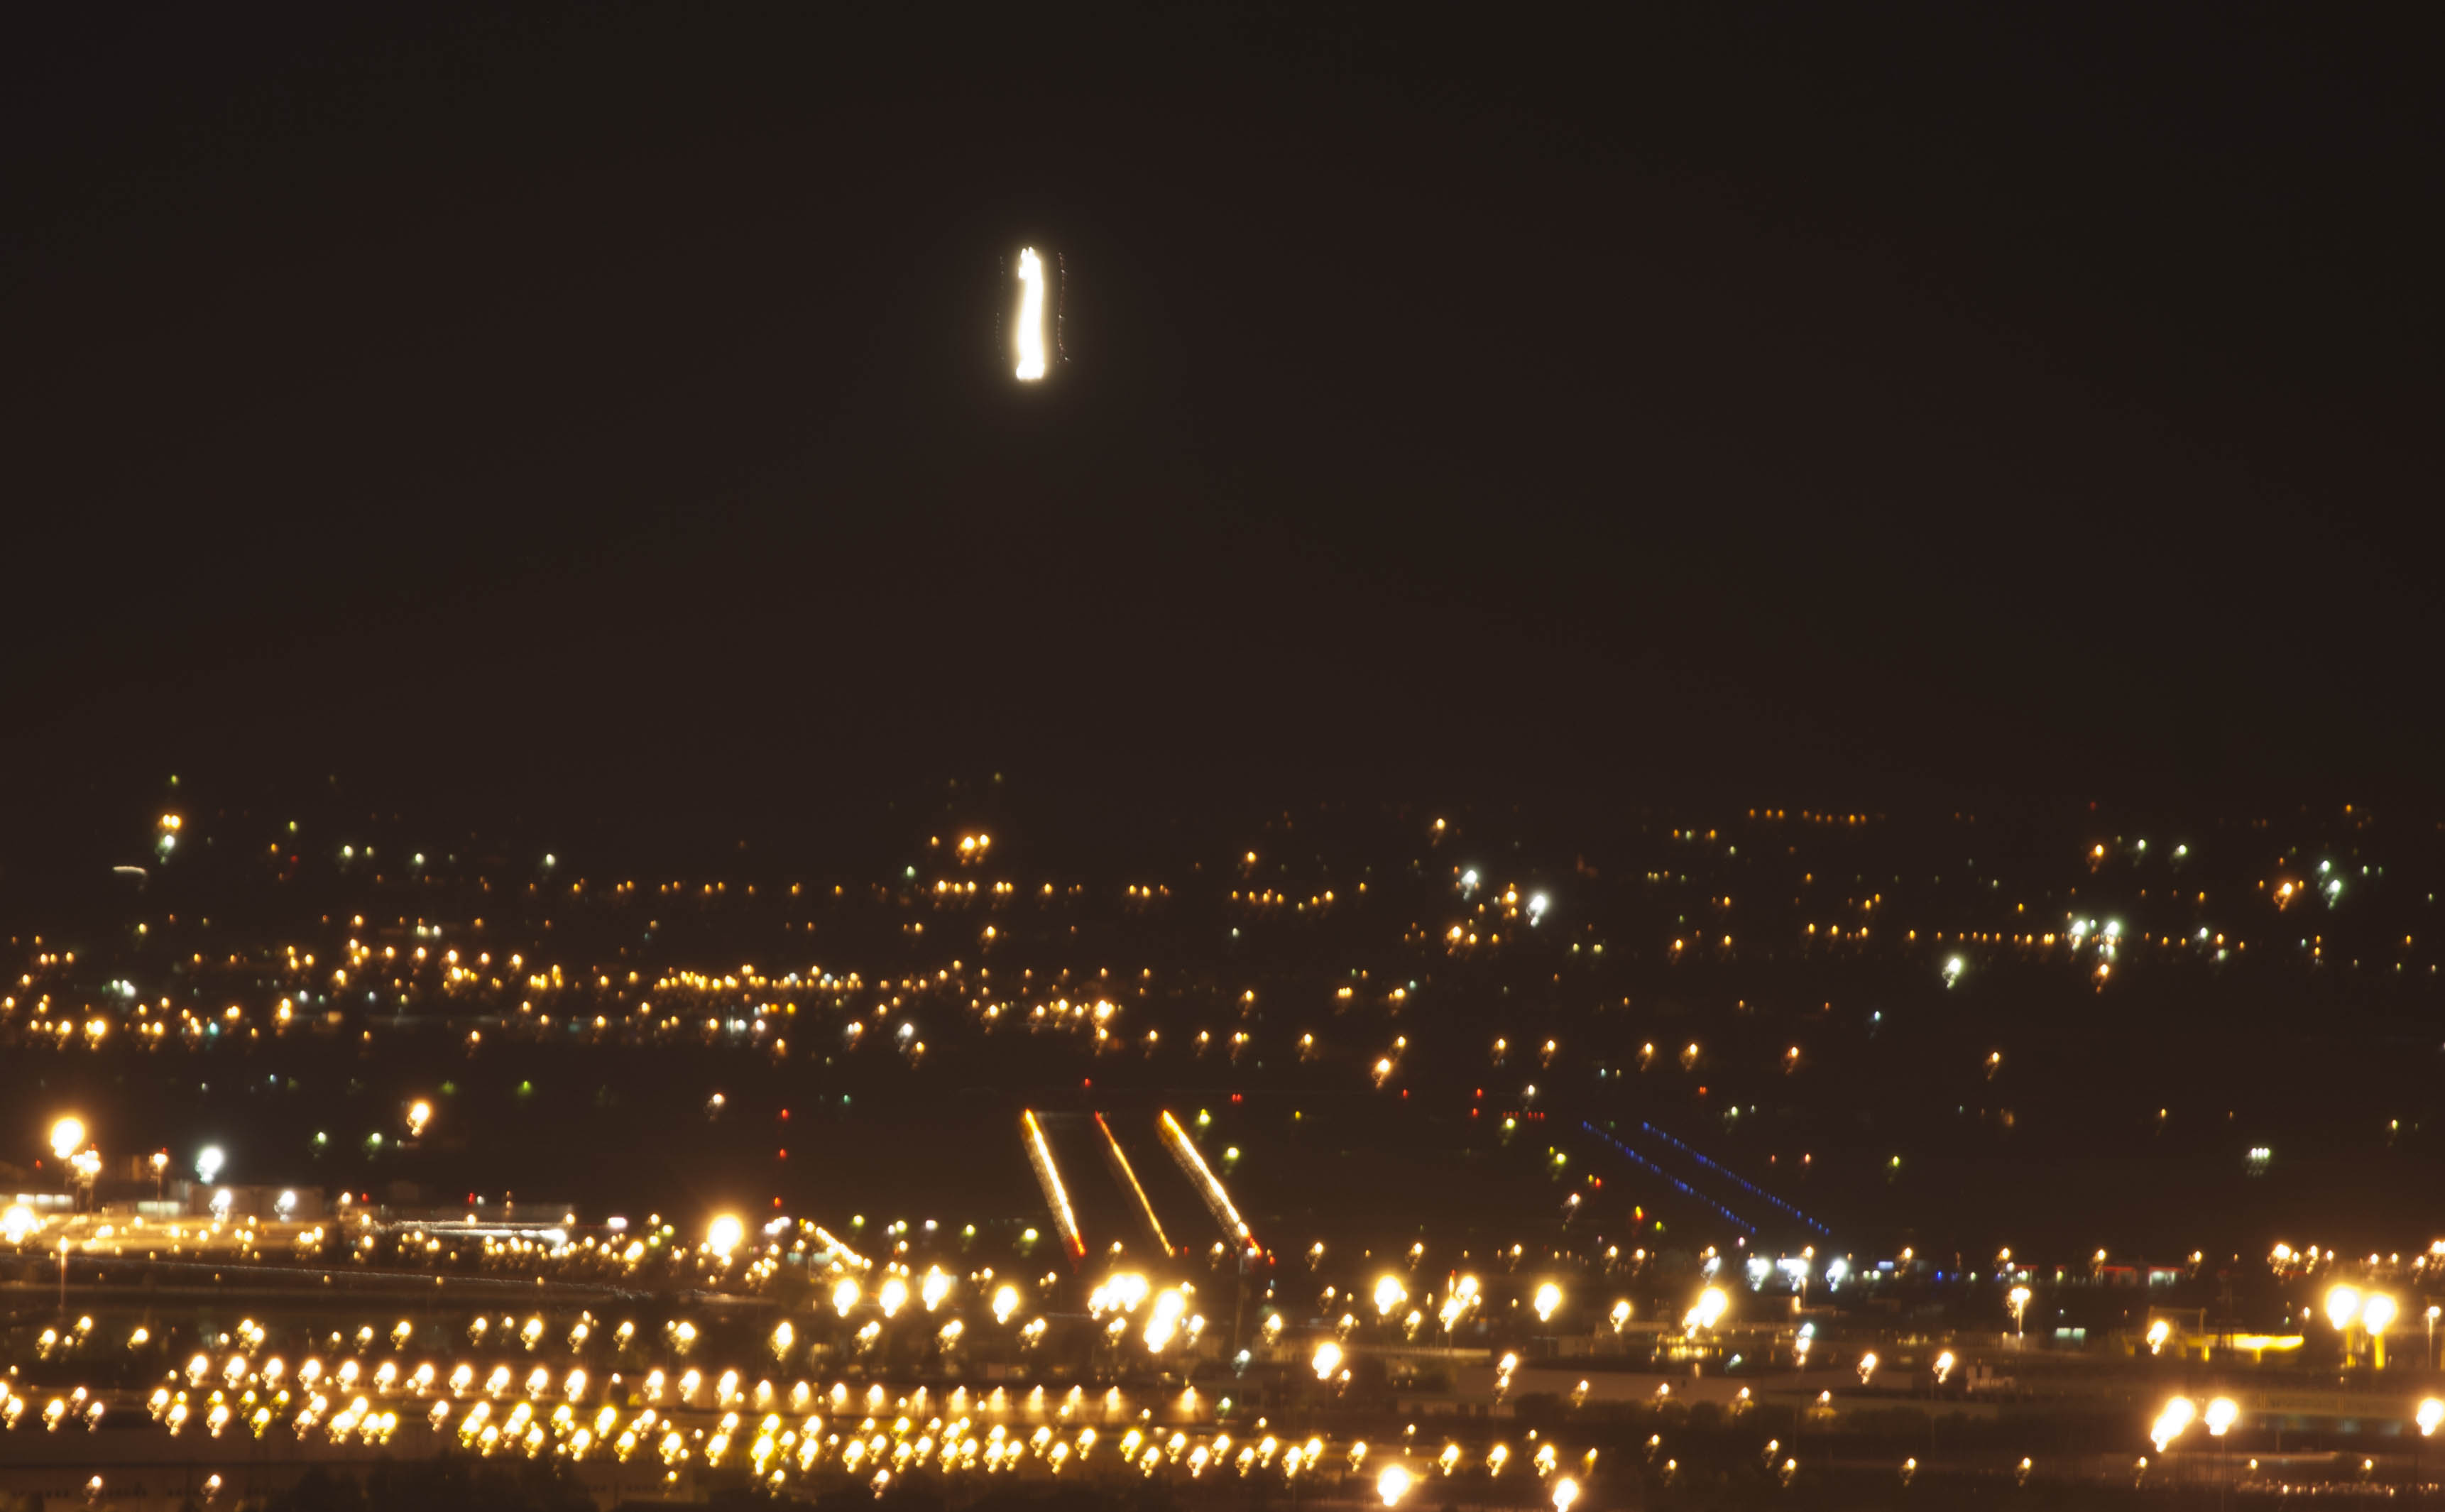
(604, 409)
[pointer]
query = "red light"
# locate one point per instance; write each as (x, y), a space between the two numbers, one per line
(1086, 1081)
(1235, 1097)
(780, 1154)
(785, 1115)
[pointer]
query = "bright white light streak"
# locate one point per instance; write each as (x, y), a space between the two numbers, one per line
(1031, 315)
(1218, 1201)
(1039, 1154)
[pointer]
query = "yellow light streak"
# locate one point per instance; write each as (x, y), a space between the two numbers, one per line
(1216, 1198)
(1057, 1196)
(1121, 1161)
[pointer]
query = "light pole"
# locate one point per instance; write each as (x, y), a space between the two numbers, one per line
(2432, 1412)
(2342, 1307)
(2179, 1414)
(2220, 1415)
(68, 1146)
(2433, 1311)
(2377, 1314)
(1390, 1294)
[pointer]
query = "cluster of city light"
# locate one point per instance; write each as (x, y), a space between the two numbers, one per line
(736, 1004)
(1118, 1300)
(2368, 1313)
(690, 1423)
(728, 994)
(749, 1007)
(1458, 1303)
(1706, 1312)
(2180, 1412)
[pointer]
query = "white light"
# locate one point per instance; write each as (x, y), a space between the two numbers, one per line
(1031, 315)
(208, 1163)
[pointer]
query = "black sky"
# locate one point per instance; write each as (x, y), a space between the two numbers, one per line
(602, 405)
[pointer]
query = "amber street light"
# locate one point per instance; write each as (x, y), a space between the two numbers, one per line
(2377, 1314)
(2342, 1308)
(2432, 1412)
(2221, 1414)
(1392, 1485)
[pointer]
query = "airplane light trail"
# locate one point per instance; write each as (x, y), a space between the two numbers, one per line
(1217, 1200)
(1031, 316)
(1121, 1163)
(1039, 1154)
(833, 1241)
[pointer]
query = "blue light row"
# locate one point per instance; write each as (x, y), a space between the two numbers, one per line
(1735, 1219)
(1719, 1171)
